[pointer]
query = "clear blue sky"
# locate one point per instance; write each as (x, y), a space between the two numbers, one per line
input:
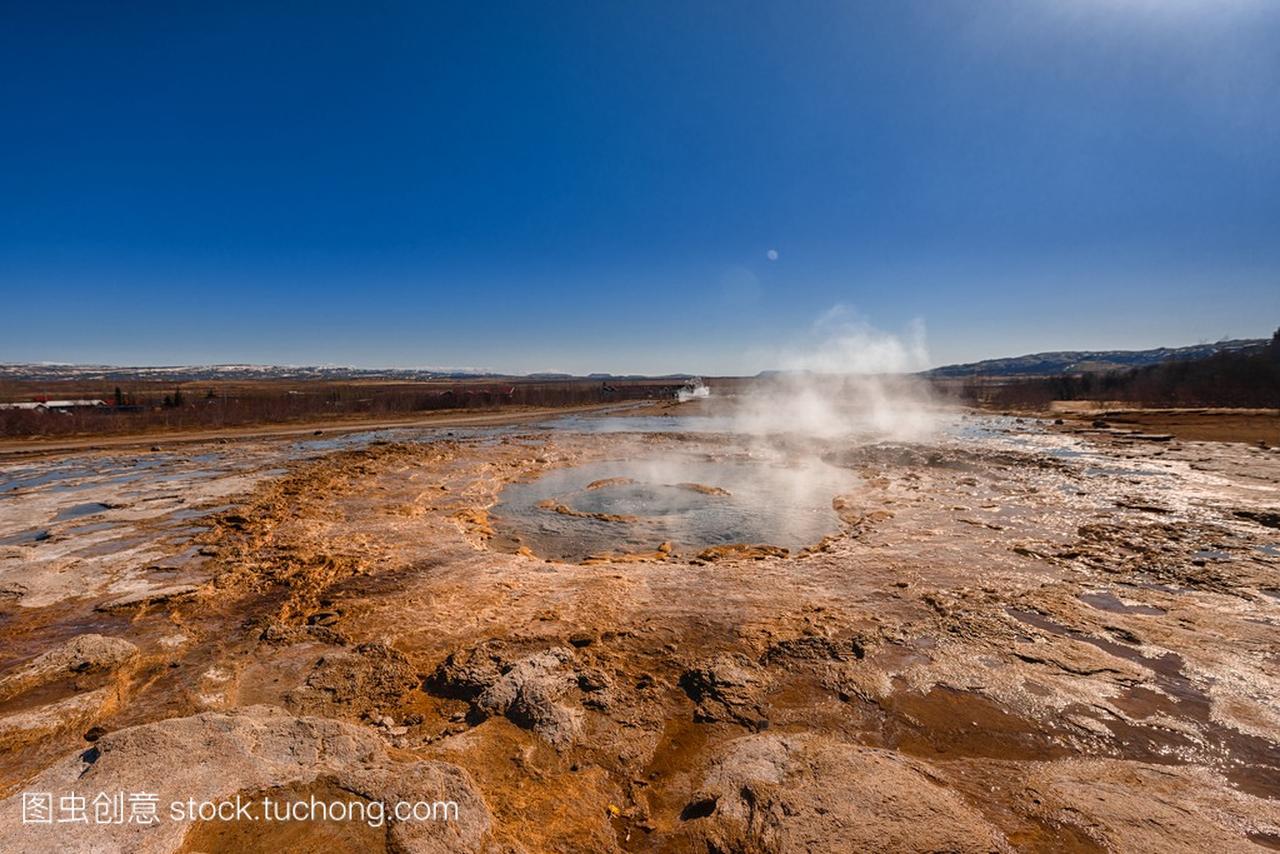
(597, 186)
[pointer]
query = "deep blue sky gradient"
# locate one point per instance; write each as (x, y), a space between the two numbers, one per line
(594, 186)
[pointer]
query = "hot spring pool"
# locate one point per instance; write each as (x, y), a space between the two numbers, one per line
(627, 506)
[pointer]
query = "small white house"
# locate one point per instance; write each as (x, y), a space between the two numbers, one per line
(45, 405)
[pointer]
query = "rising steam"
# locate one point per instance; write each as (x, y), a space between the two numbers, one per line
(852, 380)
(778, 484)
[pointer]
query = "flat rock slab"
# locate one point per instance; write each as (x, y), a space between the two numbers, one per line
(89, 653)
(150, 596)
(73, 685)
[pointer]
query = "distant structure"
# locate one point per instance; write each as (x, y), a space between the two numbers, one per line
(54, 405)
(693, 389)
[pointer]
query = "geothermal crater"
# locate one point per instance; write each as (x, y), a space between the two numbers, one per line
(677, 504)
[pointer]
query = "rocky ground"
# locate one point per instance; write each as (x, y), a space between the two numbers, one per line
(1019, 638)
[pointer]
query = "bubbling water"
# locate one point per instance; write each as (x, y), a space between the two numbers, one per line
(629, 506)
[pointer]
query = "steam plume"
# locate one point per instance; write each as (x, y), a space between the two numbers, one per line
(852, 381)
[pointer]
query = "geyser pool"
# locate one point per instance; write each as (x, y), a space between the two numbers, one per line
(630, 506)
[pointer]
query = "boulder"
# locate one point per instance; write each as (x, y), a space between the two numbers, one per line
(728, 688)
(769, 793)
(525, 690)
(215, 756)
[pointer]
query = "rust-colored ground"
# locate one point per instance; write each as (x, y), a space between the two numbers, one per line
(1192, 425)
(1020, 639)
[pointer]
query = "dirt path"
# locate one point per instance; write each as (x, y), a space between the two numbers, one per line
(15, 447)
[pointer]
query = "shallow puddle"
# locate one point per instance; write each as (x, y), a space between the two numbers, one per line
(78, 510)
(189, 513)
(35, 535)
(1105, 601)
(92, 528)
(1252, 764)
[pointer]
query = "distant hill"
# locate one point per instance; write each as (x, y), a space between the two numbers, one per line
(1092, 361)
(48, 372)
(45, 372)
(1073, 362)
(1238, 376)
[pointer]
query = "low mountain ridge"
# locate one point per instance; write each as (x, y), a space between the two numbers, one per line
(1092, 361)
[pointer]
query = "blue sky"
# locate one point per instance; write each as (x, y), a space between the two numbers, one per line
(598, 186)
